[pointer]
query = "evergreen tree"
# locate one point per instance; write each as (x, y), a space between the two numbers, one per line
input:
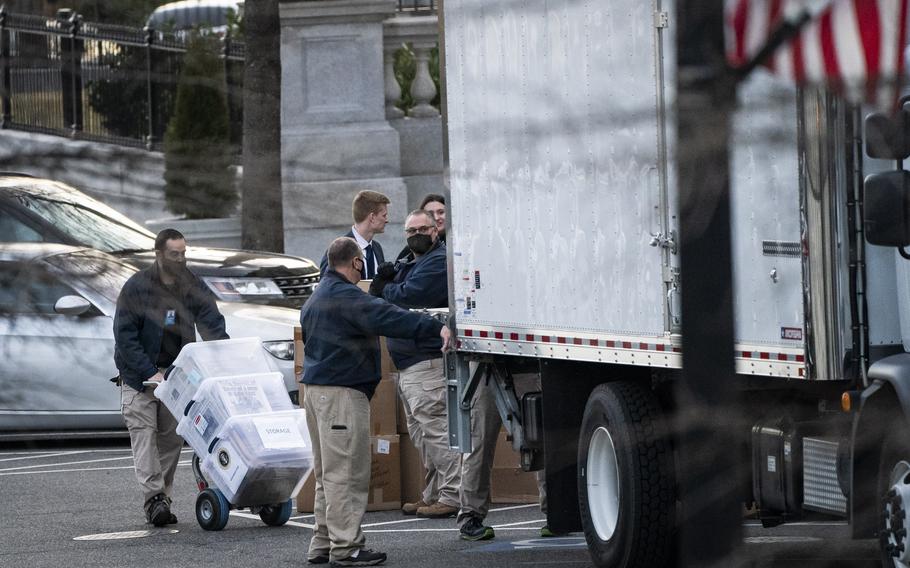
(197, 152)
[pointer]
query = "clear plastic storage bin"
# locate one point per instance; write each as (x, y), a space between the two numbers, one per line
(261, 459)
(219, 398)
(205, 359)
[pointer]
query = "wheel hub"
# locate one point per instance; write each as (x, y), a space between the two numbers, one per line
(895, 504)
(206, 510)
(603, 483)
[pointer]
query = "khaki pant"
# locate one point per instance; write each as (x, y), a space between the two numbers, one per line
(338, 419)
(153, 438)
(477, 466)
(423, 390)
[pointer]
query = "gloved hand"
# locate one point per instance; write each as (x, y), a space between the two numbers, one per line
(386, 270)
(378, 285)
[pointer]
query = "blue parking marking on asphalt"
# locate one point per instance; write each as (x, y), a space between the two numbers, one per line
(532, 543)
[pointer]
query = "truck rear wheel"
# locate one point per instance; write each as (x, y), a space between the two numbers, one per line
(626, 478)
(894, 486)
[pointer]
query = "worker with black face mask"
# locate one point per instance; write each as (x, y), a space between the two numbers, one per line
(422, 283)
(158, 312)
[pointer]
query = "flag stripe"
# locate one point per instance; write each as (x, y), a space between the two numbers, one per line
(855, 47)
(867, 19)
(829, 54)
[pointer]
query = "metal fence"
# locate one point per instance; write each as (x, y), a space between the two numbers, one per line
(99, 82)
(418, 7)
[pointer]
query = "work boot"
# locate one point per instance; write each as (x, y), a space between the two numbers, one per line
(411, 508)
(474, 529)
(158, 511)
(364, 558)
(437, 511)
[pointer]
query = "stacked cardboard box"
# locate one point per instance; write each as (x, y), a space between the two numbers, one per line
(510, 484)
(385, 478)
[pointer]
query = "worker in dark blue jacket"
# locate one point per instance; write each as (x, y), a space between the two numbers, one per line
(341, 367)
(422, 282)
(158, 312)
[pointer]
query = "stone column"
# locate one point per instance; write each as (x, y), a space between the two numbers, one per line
(335, 139)
(421, 130)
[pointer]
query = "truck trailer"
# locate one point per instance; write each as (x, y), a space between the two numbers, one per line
(563, 262)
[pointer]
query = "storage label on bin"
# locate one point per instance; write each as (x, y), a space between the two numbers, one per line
(279, 433)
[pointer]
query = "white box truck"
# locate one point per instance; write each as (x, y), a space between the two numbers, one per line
(560, 150)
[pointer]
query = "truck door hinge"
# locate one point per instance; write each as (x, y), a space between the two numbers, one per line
(663, 241)
(661, 19)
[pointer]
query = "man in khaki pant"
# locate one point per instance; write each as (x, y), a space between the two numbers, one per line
(158, 312)
(341, 369)
(422, 282)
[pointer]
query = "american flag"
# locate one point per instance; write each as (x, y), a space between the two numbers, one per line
(854, 47)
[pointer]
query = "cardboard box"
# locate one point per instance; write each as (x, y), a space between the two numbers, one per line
(298, 353)
(506, 457)
(511, 485)
(385, 478)
(413, 474)
(402, 424)
(383, 408)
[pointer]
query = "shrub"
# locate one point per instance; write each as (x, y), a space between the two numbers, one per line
(197, 152)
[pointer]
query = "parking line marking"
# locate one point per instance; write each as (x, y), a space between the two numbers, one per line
(256, 517)
(394, 522)
(445, 530)
(302, 517)
(515, 507)
(36, 466)
(65, 470)
(507, 525)
(42, 456)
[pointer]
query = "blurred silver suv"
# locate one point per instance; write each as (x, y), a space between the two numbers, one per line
(45, 211)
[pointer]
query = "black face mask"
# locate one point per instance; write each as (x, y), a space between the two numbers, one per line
(420, 244)
(174, 268)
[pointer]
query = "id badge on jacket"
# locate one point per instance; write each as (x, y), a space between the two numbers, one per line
(170, 318)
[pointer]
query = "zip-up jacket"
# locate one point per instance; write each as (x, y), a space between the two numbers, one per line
(341, 327)
(139, 321)
(419, 283)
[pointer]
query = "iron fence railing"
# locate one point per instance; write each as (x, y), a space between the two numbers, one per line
(418, 7)
(99, 82)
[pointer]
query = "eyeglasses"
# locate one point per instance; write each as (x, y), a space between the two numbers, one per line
(424, 230)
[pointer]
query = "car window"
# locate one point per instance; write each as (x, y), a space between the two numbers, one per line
(93, 273)
(28, 289)
(12, 230)
(86, 226)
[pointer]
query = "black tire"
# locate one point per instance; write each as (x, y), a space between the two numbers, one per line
(212, 510)
(627, 416)
(895, 505)
(276, 515)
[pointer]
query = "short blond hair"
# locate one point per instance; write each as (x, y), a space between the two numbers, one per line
(366, 202)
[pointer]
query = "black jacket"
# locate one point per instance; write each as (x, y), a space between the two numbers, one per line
(341, 324)
(377, 252)
(139, 322)
(419, 283)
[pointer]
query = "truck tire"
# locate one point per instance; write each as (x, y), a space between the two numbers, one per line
(894, 487)
(626, 481)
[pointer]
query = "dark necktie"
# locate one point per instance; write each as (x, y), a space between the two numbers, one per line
(369, 271)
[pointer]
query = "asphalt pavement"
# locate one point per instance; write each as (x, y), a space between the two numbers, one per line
(76, 503)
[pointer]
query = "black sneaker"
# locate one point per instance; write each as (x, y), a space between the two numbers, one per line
(474, 529)
(321, 559)
(158, 510)
(364, 558)
(172, 519)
